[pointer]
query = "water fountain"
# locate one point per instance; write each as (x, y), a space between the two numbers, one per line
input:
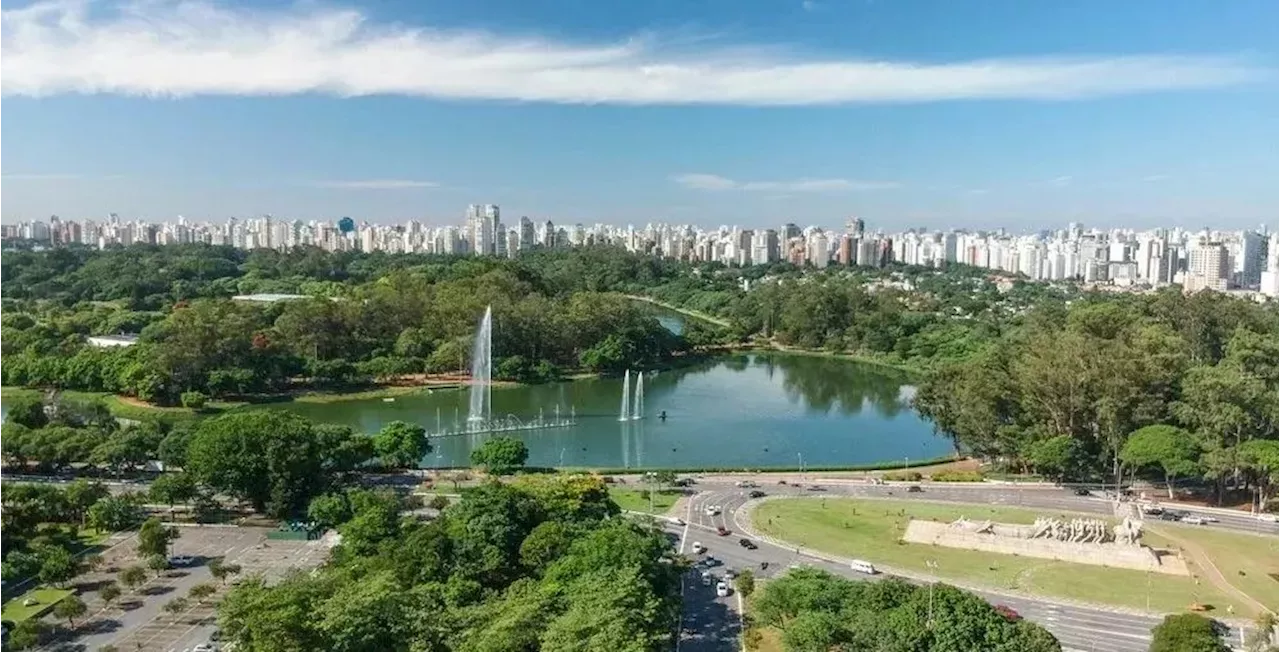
(480, 417)
(481, 406)
(624, 414)
(637, 407)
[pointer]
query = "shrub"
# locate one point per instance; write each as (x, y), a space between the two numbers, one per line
(903, 476)
(956, 476)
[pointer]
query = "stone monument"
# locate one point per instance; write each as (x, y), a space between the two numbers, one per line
(1078, 540)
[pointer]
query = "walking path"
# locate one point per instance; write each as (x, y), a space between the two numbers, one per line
(1211, 572)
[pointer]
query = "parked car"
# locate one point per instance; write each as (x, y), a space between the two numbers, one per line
(722, 590)
(748, 544)
(722, 531)
(706, 578)
(698, 548)
(756, 494)
(181, 560)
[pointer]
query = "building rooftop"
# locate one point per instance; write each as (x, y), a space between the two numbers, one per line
(113, 340)
(268, 298)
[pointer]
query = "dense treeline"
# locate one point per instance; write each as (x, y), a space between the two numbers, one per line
(541, 564)
(1068, 390)
(817, 612)
(374, 317)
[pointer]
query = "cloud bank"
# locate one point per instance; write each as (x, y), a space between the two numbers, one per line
(701, 181)
(161, 48)
(377, 184)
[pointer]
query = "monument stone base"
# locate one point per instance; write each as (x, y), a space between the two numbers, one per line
(1114, 555)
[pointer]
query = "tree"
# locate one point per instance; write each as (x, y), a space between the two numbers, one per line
(57, 565)
(1171, 449)
(82, 494)
(157, 564)
(1057, 456)
(194, 400)
(746, 583)
(26, 634)
(70, 608)
(133, 577)
(109, 592)
(27, 411)
(154, 538)
(329, 510)
(1262, 637)
(222, 570)
(664, 478)
(1187, 633)
(173, 488)
(176, 606)
(269, 458)
(375, 517)
(115, 514)
(401, 445)
(202, 592)
(438, 502)
(500, 455)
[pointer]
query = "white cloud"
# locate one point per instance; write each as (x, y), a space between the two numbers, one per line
(809, 5)
(377, 184)
(1061, 182)
(702, 181)
(168, 48)
(41, 177)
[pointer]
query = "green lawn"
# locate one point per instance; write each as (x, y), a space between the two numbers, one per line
(637, 500)
(871, 530)
(45, 599)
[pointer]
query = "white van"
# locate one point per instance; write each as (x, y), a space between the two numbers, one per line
(722, 590)
(863, 567)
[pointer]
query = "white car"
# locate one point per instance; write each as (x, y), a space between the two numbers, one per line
(712, 510)
(698, 548)
(706, 578)
(722, 590)
(678, 521)
(1194, 520)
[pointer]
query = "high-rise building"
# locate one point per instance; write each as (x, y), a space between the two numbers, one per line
(1207, 268)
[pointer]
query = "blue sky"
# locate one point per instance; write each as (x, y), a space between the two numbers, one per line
(979, 113)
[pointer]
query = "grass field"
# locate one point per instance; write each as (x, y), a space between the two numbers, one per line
(637, 500)
(871, 530)
(45, 599)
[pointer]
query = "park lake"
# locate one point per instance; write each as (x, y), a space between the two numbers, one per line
(738, 411)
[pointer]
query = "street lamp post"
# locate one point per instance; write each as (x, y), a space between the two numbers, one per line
(800, 459)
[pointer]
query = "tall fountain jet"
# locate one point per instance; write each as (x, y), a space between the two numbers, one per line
(637, 407)
(625, 413)
(481, 408)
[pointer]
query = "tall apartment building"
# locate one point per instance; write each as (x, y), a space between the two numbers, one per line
(1207, 268)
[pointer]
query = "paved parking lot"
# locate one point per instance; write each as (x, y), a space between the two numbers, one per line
(137, 621)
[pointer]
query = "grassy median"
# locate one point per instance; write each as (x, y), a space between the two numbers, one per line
(637, 500)
(872, 530)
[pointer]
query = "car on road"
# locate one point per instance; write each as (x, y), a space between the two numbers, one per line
(722, 531)
(722, 590)
(1008, 613)
(745, 484)
(817, 488)
(684, 482)
(1172, 515)
(711, 510)
(181, 560)
(678, 521)
(748, 544)
(1081, 491)
(863, 567)
(756, 494)
(698, 548)
(204, 647)
(1153, 510)
(915, 489)
(1193, 519)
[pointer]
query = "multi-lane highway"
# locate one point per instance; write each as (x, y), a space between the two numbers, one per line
(1081, 628)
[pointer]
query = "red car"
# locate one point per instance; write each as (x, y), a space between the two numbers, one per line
(722, 531)
(1008, 613)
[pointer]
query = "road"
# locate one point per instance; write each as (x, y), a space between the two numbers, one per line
(1078, 628)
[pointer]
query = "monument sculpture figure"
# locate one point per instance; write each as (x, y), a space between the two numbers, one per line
(1078, 539)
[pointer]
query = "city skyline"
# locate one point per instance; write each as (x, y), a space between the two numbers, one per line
(920, 113)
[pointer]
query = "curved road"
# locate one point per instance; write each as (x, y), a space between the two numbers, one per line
(1078, 627)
